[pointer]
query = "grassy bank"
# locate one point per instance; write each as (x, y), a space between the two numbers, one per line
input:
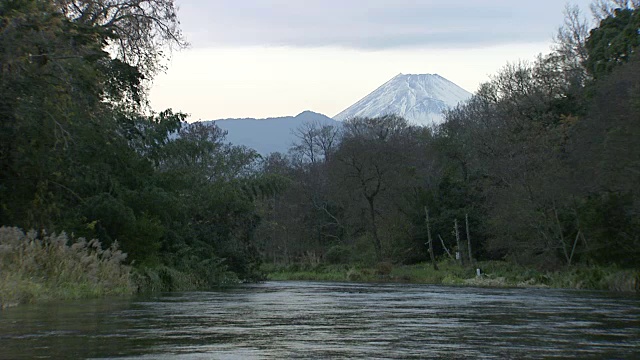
(494, 274)
(40, 268)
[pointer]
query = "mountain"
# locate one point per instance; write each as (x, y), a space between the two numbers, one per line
(270, 134)
(421, 99)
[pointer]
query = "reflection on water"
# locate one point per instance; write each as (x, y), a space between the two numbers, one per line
(330, 320)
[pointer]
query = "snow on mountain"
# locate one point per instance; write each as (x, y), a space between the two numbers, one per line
(421, 99)
(270, 134)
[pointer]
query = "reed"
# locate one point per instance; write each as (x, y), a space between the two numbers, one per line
(36, 267)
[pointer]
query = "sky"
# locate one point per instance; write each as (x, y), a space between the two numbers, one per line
(268, 58)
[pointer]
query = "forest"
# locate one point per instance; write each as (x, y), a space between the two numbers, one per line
(540, 168)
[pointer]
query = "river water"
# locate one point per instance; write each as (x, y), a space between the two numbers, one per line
(284, 320)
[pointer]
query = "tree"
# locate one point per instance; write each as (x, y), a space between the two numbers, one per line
(372, 162)
(602, 9)
(138, 30)
(511, 142)
(605, 150)
(60, 88)
(51, 90)
(614, 41)
(78, 154)
(570, 50)
(315, 142)
(572, 35)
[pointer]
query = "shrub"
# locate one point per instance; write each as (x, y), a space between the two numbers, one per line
(384, 268)
(599, 278)
(338, 254)
(623, 280)
(354, 275)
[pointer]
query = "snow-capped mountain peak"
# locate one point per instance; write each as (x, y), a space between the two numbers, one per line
(420, 98)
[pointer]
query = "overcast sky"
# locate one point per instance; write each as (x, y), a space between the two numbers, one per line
(261, 58)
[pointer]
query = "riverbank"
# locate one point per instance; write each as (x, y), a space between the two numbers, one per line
(492, 274)
(36, 268)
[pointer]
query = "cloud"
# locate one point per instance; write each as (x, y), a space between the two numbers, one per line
(370, 24)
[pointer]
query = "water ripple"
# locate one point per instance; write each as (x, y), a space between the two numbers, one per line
(304, 320)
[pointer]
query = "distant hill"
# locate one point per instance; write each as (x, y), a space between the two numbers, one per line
(421, 99)
(270, 134)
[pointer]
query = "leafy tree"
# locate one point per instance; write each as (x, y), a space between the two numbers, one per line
(606, 153)
(614, 41)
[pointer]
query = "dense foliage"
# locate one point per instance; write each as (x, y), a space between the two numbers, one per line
(78, 153)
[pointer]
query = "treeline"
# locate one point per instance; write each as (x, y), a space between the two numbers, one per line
(541, 167)
(81, 153)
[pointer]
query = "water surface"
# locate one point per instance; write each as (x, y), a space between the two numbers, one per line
(281, 320)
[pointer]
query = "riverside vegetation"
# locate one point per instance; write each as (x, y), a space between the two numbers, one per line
(493, 274)
(536, 175)
(45, 267)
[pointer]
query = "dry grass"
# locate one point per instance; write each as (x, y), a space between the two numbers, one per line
(35, 267)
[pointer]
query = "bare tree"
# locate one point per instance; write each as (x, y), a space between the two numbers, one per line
(316, 142)
(572, 35)
(327, 140)
(569, 45)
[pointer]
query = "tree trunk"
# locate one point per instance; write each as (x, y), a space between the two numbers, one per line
(374, 230)
(460, 252)
(466, 220)
(431, 255)
(445, 247)
(563, 243)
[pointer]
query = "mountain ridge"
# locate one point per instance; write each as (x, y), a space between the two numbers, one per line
(267, 135)
(300, 115)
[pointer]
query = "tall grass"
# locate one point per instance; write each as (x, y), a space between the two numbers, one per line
(45, 267)
(164, 278)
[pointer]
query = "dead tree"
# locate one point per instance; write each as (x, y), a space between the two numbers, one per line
(433, 258)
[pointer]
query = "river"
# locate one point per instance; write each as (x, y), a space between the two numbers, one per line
(284, 320)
